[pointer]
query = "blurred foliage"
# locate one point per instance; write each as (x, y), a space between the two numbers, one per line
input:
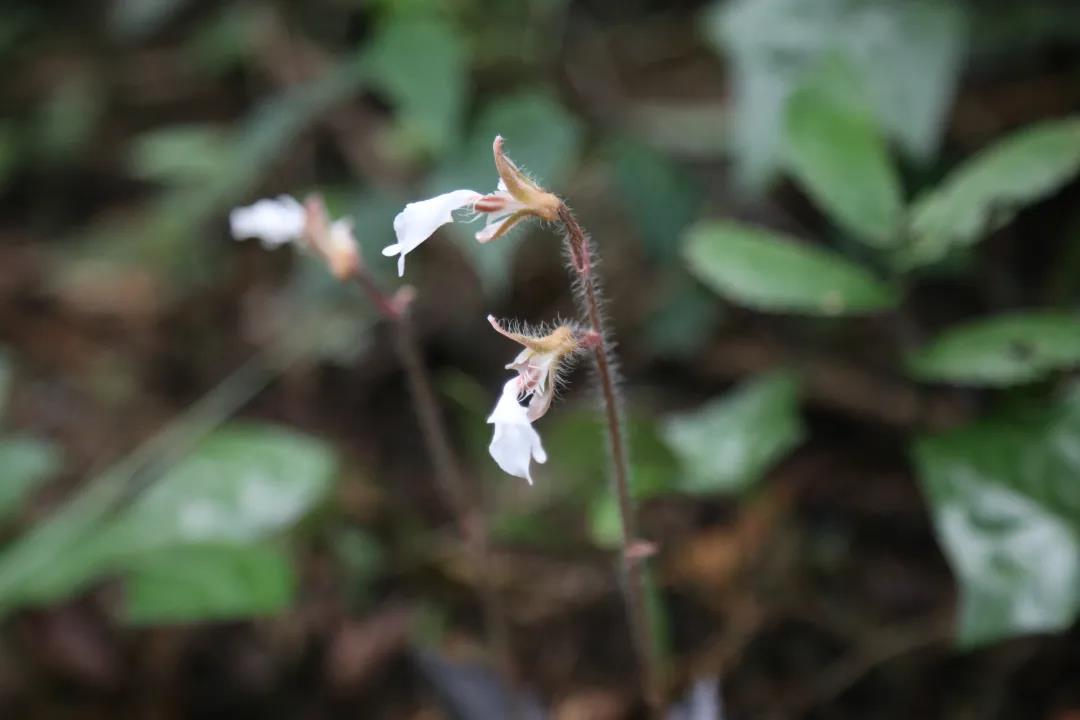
(985, 192)
(908, 56)
(1007, 509)
(834, 149)
(729, 444)
(765, 271)
(1002, 350)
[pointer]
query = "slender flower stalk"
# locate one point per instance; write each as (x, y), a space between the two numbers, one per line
(634, 550)
(516, 444)
(284, 220)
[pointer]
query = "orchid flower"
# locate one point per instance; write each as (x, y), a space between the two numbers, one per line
(516, 197)
(285, 220)
(515, 443)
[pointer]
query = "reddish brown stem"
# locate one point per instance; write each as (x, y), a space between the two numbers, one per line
(453, 487)
(580, 250)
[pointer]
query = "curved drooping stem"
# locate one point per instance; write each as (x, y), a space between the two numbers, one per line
(579, 248)
(465, 505)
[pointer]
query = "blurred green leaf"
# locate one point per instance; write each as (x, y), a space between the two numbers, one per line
(541, 137)
(25, 463)
(180, 154)
(421, 64)
(987, 191)
(660, 198)
(1002, 350)
(240, 484)
(833, 147)
(728, 444)
(908, 54)
(1006, 508)
(763, 270)
(193, 583)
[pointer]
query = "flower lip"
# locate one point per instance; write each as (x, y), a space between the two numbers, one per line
(514, 443)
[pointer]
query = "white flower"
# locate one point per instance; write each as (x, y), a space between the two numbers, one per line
(275, 222)
(515, 199)
(419, 220)
(307, 226)
(538, 365)
(515, 443)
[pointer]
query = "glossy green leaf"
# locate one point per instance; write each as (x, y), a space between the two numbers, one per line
(541, 137)
(728, 444)
(421, 65)
(768, 272)
(240, 484)
(835, 150)
(25, 463)
(1002, 350)
(193, 583)
(1006, 508)
(908, 55)
(987, 191)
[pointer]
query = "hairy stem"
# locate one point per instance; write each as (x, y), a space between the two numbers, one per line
(452, 485)
(580, 249)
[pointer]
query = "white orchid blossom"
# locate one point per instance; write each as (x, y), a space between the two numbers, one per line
(515, 443)
(515, 198)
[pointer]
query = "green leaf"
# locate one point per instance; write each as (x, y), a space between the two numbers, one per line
(1002, 350)
(241, 484)
(987, 191)
(208, 582)
(1007, 514)
(908, 55)
(25, 463)
(660, 198)
(728, 444)
(180, 154)
(541, 137)
(763, 270)
(834, 149)
(422, 65)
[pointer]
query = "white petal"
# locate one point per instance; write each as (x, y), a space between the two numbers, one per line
(275, 222)
(419, 220)
(515, 442)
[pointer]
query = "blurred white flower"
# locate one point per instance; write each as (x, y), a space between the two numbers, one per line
(515, 443)
(285, 220)
(274, 221)
(516, 198)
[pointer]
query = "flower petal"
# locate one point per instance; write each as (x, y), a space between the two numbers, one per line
(419, 220)
(274, 221)
(499, 226)
(515, 443)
